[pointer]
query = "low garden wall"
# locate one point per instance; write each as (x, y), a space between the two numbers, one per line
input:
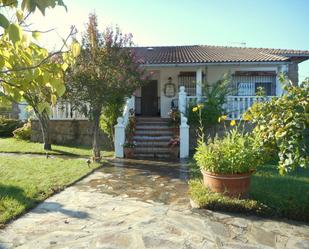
(77, 132)
(218, 129)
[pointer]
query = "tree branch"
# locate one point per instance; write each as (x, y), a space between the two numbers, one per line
(72, 32)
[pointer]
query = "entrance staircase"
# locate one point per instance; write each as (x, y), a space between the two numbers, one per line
(152, 135)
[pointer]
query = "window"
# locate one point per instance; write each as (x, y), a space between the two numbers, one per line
(249, 83)
(188, 80)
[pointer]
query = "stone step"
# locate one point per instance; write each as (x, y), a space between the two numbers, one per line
(152, 138)
(152, 127)
(153, 132)
(152, 155)
(151, 150)
(151, 143)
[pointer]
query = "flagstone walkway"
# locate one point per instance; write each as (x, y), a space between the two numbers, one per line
(142, 204)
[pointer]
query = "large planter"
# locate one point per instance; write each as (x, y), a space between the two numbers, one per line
(128, 152)
(233, 185)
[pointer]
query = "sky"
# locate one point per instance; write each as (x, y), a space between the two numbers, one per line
(257, 23)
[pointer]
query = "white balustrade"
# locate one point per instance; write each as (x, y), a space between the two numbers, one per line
(236, 106)
(121, 126)
(64, 111)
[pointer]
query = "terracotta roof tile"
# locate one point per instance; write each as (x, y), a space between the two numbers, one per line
(213, 54)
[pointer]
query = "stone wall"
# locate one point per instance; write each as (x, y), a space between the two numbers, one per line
(77, 132)
(211, 132)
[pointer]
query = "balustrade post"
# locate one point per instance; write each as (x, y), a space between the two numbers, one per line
(182, 97)
(119, 137)
(184, 137)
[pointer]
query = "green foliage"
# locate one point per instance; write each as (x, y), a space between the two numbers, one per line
(234, 153)
(110, 112)
(212, 104)
(24, 132)
(7, 126)
(283, 125)
(27, 70)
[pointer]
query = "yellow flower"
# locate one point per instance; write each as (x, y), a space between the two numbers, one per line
(200, 106)
(222, 118)
(246, 117)
(233, 123)
(194, 109)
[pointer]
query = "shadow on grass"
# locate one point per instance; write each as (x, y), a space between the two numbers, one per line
(9, 195)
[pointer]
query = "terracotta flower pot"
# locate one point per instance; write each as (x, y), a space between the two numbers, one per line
(129, 152)
(174, 152)
(233, 185)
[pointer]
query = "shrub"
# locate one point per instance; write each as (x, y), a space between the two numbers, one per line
(283, 125)
(234, 153)
(7, 126)
(24, 132)
(212, 105)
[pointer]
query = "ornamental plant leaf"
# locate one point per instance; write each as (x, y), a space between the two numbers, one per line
(15, 32)
(4, 23)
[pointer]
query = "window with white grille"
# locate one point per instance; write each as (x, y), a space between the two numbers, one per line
(250, 83)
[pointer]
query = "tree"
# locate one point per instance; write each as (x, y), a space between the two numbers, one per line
(27, 71)
(106, 69)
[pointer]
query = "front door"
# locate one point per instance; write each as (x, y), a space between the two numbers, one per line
(150, 98)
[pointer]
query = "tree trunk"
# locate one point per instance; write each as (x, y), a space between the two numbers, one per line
(95, 142)
(44, 125)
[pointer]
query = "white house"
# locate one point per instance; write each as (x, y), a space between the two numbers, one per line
(176, 76)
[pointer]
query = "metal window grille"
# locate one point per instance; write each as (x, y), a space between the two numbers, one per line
(188, 80)
(249, 83)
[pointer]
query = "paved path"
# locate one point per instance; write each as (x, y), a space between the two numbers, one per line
(141, 206)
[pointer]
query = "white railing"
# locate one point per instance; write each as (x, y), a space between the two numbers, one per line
(65, 111)
(236, 106)
(121, 126)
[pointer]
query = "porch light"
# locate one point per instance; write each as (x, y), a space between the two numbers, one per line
(170, 79)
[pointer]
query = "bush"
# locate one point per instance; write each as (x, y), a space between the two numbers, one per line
(283, 125)
(23, 133)
(7, 126)
(234, 153)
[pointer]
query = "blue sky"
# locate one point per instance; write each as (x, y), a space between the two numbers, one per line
(258, 23)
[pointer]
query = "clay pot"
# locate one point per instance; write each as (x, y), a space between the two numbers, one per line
(232, 185)
(174, 152)
(129, 152)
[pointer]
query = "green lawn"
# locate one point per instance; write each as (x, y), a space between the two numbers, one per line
(21, 146)
(271, 195)
(25, 181)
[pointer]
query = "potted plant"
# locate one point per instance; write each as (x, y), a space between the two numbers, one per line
(128, 147)
(227, 163)
(174, 147)
(174, 115)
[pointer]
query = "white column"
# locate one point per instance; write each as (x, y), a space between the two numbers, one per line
(279, 90)
(199, 78)
(119, 137)
(184, 137)
(182, 98)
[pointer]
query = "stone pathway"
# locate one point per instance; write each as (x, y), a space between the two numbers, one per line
(136, 204)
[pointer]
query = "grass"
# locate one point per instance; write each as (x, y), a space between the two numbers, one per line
(271, 195)
(25, 181)
(13, 145)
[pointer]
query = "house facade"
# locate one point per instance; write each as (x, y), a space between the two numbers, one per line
(177, 74)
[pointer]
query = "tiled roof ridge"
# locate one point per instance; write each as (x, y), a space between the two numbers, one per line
(271, 50)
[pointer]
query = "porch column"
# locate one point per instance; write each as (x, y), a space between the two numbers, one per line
(184, 137)
(199, 78)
